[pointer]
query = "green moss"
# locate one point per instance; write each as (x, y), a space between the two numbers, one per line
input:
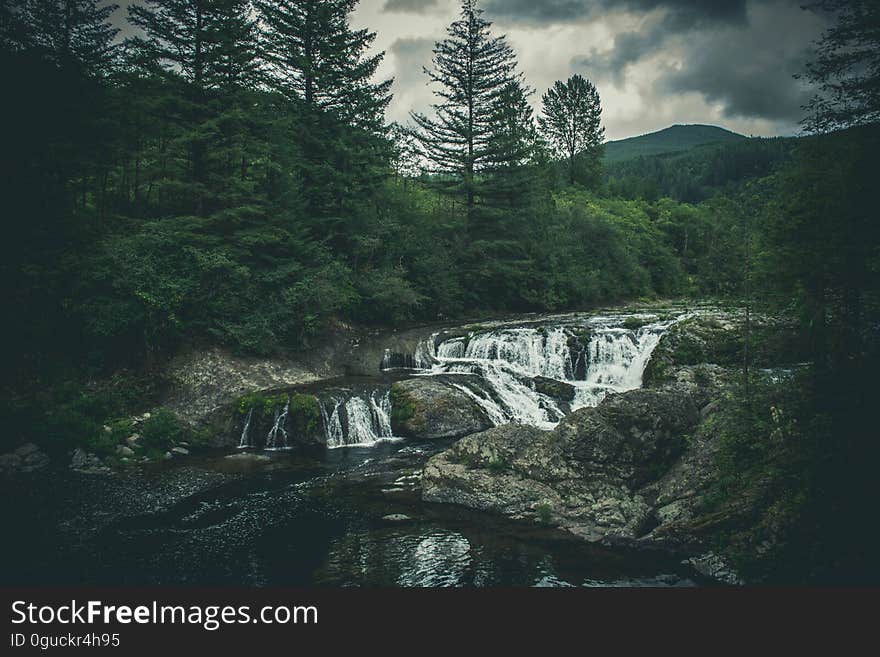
(253, 401)
(634, 323)
(304, 414)
(403, 408)
(260, 404)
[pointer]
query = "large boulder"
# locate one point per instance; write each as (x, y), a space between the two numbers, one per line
(431, 408)
(521, 472)
(631, 436)
(718, 337)
(557, 390)
(583, 476)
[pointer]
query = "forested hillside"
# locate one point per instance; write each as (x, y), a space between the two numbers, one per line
(674, 139)
(699, 173)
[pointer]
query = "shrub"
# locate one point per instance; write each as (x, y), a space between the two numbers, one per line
(161, 430)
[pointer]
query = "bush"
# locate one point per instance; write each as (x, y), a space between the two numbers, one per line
(161, 430)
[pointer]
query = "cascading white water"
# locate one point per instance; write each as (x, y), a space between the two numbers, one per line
(279, 429)
(357, 420)
(504, 371)
(507, 360)
(245, 442)
(617, 359)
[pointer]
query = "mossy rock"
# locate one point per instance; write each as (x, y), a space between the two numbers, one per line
(429, 408)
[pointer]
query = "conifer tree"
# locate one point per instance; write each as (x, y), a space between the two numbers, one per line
(472, 70)
(571, 121)
(846, 67)
(512, 150)
(73, 33)
(210, 43)
(232, 40)
(314, 56)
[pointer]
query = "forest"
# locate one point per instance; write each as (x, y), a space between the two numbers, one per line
(227, 177)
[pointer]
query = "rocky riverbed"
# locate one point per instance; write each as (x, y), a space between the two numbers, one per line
(539, 427)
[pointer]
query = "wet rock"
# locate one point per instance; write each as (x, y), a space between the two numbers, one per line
(248, 457)
(124, 451)
(10, 463)
(430, 408)
(182, 451)
(132, 440)
(79, 459)
(584, 476)
(86, 462)
(558, 390)
(715, 566)
(26, 458)
(396, 518)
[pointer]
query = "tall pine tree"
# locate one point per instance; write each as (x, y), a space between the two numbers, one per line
(314, 56)
(73, 33)
(473, 70)
(316, 61)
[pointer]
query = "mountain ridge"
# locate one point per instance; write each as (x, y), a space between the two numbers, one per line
(676, 138)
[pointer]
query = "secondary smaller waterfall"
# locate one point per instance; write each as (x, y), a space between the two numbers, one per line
(245, 432)
(358, 419)
(279, 429)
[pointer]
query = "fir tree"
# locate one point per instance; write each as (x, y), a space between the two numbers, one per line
(210, 43)
(473, 70)
(73, 33)
(846, 67)
(571, 121)
(315, 57)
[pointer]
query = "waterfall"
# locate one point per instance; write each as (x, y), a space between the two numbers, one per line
(359, 419)
(617, 360)
(507, 361)
(279, 428)
(245, 438)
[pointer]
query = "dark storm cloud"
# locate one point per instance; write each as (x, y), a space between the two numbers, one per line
(629, 47)
(750, 74)
(414, 6)
(743, 65)
(687, 12)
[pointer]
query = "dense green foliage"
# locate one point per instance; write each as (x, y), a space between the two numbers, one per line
(571, 119)
(695, 175)
(179, 197)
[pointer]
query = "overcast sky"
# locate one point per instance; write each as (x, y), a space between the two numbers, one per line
(654, 62)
